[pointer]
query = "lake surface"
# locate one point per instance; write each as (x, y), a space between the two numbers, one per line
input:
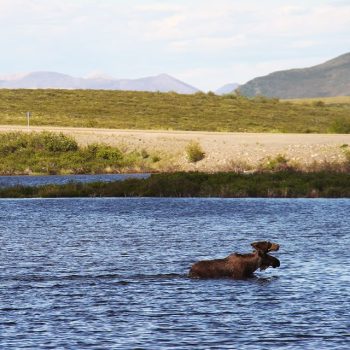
(8, 181)
(111, 274)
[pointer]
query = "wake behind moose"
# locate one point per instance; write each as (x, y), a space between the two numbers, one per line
(238, 266)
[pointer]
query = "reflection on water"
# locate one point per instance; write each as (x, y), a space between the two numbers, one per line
(112, 274)
(8, 181)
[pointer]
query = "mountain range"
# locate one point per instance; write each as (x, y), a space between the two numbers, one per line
(328, 79)
(227, 89)
(46, 80)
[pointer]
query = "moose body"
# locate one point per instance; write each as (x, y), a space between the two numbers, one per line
(236, 265)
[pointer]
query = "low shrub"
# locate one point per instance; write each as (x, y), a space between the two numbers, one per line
(155, 159)
(52, 142)
(109, 153)
(340, 126)
(279, 163)
(51, 153)
(194, 152)
(318, 103)
(45, 141)
(230, 96)
(104, 152)
(12, 142)
(144, 154)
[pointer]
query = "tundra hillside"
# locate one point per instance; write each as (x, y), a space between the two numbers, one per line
(170, 111)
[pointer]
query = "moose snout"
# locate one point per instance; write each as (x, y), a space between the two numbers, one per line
(274, 247)
(275, 263)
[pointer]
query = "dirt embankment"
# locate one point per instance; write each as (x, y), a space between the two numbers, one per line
(223, 150)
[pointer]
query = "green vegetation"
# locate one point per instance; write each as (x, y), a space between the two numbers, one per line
(341, 126)
(194, 152)
(281, 184)
(282, 163)
(51, 153)
(338, 100)
(279, 163)
(167, 111)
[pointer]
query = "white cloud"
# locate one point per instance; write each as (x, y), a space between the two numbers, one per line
(191, 21)
(159, 7)
(313, 21)
(292, 10)
(302, 44)
(225, 25)
(209, 42)
(165, 28)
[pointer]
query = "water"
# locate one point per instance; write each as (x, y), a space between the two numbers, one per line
(111, 274)
(8, 181)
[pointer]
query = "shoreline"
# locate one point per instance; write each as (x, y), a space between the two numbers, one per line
(282, 184)
(223, 150)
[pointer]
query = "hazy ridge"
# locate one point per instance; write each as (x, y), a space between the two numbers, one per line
(227, 89)
(328, 79)
(53, 80)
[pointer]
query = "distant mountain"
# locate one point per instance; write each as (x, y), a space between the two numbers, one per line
(227, 89)
(331, 78)
(47, 80)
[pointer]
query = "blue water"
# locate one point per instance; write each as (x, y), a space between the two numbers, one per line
(111, 274)
(8, 181)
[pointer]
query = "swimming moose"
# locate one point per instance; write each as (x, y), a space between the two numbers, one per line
(236, 265)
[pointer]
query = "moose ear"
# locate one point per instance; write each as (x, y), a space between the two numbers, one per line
(263, 246)
(254, 245)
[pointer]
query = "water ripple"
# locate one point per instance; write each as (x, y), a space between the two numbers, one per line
(112, 274)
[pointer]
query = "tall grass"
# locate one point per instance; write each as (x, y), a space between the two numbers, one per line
(277, 185)
(166, 111)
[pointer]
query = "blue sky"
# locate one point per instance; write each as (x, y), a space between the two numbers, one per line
(203, 42)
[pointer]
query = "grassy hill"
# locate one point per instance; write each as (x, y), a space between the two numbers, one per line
(331, 78)
(329, 101)
(170, 111)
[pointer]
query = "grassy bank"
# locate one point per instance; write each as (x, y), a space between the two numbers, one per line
(170, 111)
(50, 153)
(281, 184)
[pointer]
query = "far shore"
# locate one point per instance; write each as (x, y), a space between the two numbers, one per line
(283, 184)
(222, 149)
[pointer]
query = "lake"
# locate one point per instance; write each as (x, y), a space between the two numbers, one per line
(111, 273)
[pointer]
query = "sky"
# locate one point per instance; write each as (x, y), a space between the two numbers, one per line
(205, 43)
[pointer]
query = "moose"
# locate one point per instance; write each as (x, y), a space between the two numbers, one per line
(237, 266)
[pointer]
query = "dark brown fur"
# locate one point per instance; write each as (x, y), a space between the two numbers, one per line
(236, 265)
(265, 246)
